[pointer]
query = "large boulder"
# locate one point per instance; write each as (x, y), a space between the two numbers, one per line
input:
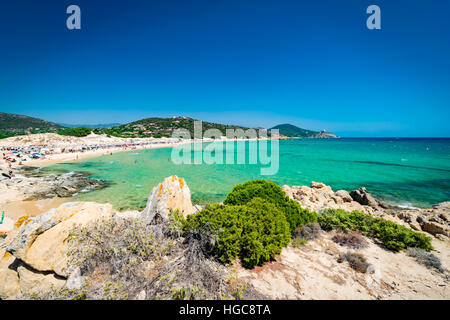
(364, 198)
(47, 252)
(33, 257)
(170, 195)
(435, 228)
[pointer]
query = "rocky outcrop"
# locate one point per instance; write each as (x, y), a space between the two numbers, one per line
(366, 199)
(432, 220)
(170, 195)
(319, 197)
(35, 254)
(32, 186)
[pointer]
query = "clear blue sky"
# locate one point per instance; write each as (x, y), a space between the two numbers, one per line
(248, 62)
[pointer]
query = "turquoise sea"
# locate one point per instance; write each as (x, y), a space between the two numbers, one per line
(409, 172)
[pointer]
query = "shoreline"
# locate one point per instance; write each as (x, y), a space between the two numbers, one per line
(52, 159)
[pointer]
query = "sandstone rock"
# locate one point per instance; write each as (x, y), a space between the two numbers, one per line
(29, 230)
(344, 195)
(323, 188)
(48, 251)
(415, 226)
(318, 185)
(9, 279)
(170, 195)
(443, 206)
(363, 197)
(36, 282)
(441, 237)
(435, 228)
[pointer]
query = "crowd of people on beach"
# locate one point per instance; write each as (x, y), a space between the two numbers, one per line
(21, 154)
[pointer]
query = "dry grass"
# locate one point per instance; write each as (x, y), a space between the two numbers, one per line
(354, 240)
(356, 260)
(426, 258)
(120, 258)
(309, 231)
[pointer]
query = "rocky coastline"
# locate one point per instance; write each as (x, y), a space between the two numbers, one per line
(29, 184)
(36, 258)
(319, 197)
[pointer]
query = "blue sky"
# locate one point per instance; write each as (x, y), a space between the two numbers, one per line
(249, 62)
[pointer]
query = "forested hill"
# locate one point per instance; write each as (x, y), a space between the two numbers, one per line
(14, 124)
(290, 130)
(163, 127)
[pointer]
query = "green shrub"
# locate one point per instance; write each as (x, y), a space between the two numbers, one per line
(394, 236)
(242, 194)
(75, 132)
(254, 232)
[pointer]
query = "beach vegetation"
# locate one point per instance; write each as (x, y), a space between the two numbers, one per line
(353, 239)
(356, 261)
(426, 258)
(394, 236)
(254, 232)
(309, 231)
(242, 194)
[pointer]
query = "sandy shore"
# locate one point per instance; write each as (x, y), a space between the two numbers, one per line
(17, 209)
(76, 156)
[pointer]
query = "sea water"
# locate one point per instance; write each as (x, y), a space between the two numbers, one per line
(409, 172)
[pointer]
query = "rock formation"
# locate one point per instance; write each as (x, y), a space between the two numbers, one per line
(170, 195)
(319, 197)
(34, 257)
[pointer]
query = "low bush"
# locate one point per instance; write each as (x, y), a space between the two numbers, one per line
(356, 260)
(394, 236)
(352, 239)
(242, 194)
(426, 258)
(254, 232)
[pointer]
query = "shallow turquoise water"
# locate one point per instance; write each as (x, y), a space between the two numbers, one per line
(413, 172)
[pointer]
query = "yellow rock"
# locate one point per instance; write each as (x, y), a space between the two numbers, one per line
(9, 279)
(48, 251)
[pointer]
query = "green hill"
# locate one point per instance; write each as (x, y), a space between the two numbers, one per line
(290, 130)
(162, 127)
(14, 124)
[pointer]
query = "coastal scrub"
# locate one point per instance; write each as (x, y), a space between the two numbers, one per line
(394, 236)
(242, 194)
(255, 233)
